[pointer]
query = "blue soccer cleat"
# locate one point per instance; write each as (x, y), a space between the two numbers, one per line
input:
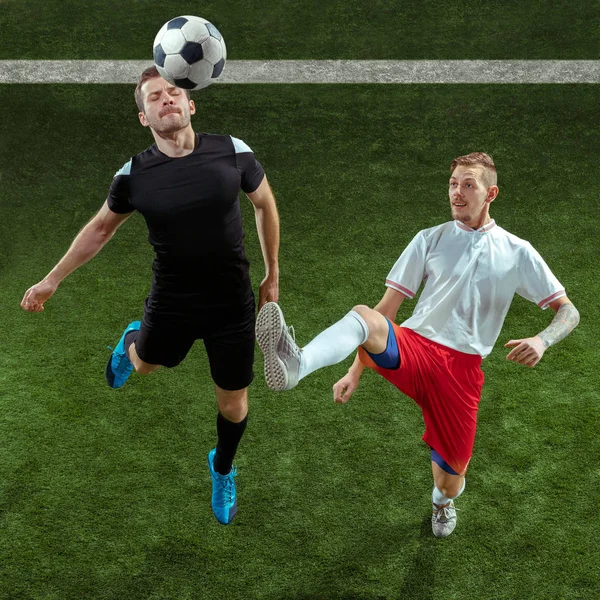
(224, 497)
(119, 366)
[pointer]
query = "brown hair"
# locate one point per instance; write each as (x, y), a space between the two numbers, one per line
(478, 159)
(149, 73)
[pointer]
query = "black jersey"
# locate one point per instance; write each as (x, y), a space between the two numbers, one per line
(192, 210)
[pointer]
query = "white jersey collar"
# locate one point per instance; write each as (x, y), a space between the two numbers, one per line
(483, 229)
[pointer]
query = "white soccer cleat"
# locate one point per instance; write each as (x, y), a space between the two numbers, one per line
(443, 519)
(282, 354)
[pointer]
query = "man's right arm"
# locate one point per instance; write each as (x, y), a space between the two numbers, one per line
(388, 306)
(86, 245)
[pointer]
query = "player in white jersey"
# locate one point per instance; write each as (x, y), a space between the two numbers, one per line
(471, 268)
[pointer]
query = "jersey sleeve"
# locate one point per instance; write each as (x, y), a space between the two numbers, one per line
(537, 283)
(251, 170)
(118, 194)
(408, 272)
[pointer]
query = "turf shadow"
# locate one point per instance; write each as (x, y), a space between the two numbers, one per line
(419, 582)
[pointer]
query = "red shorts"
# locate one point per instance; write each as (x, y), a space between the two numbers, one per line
(446, 384)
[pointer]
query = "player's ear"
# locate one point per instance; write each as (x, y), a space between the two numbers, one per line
(143, 119)
(192, 108)
(492, 193)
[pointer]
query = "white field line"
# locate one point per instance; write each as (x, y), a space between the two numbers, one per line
(318, 71)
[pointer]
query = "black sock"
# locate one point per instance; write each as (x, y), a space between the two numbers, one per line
(130, 339)
(229, 435)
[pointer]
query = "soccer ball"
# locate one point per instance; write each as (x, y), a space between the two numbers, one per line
(189, 52)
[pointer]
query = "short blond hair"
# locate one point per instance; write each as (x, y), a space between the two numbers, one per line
(478, 159)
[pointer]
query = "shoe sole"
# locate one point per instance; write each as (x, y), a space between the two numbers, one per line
(269, 327)
(110, 376)
(108, 373)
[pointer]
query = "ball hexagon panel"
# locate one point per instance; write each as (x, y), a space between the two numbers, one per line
(195, 31)
(172, 41)
(160, 33)
(176, 67)
(201, 73)
(212, 50)
(164, 74)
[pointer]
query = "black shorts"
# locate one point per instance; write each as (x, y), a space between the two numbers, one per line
(166, 337)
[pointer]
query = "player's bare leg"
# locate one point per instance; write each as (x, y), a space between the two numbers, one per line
(124, 358)
(447, 488)
(450, 485)
(231, 423)
(286, 363)
(120, 365)
(141, 367)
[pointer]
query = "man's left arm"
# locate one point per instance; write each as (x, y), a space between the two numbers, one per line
(529, 351)
(267, 225)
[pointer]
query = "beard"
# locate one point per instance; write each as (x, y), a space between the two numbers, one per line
(171, 122)
(465, 218)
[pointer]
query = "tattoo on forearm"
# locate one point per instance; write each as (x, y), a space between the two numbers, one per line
(566, 319)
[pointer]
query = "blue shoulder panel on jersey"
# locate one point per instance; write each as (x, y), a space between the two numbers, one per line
(239, 145)
(125, 169)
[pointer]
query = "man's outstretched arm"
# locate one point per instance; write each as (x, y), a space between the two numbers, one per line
(88, 242)
(267, 225)
(529, 351)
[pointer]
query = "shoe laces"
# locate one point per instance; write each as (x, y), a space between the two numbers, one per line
(293, 347)
(445, 512)
(122, 361)
(226, 482)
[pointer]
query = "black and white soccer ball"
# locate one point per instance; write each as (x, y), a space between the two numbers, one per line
(189, 52)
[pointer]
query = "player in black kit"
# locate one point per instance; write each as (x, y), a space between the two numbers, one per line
(186, 187)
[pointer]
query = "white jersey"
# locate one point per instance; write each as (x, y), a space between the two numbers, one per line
(470, 280)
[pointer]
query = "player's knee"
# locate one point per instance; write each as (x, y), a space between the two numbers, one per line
(368, 314)
(233, 405)
(375, 321)
(363, 310)
(452, 489)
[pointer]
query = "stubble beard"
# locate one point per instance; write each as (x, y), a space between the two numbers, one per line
(463, 218)
(171, 125)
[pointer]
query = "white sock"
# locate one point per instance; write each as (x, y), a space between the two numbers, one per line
(334, 344)
(438, 498)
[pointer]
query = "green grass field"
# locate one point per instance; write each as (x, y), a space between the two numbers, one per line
(105, 494)
(294, 29)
